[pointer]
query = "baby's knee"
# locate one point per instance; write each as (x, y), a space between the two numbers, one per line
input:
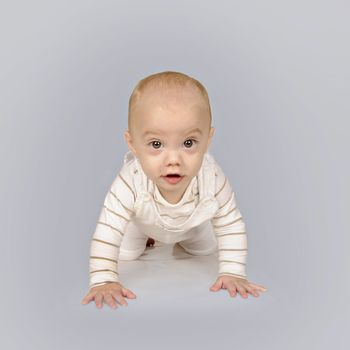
(129, 254)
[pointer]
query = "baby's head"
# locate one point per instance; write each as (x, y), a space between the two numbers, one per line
(169, 130)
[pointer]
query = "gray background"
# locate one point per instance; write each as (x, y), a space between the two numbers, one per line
(278, 76)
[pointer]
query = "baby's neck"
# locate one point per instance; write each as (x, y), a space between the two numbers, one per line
(173, 198)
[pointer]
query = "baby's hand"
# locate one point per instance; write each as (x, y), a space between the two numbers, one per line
(110, 292)
(233, 284)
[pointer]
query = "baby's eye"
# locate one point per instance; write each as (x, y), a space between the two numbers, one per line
(156, 144)
(189, 143)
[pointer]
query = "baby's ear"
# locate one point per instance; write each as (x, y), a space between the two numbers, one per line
(129, 141)
(210, 137)
(211, 133)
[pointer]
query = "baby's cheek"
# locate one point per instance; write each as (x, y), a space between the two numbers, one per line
(197, 161)
(151, 169)
(153, 151)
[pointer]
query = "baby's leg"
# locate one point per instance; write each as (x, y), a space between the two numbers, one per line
(202, 241)
(133, 243)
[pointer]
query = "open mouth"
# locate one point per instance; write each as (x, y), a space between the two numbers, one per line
(173, 178)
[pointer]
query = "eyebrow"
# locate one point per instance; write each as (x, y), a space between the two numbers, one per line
(149, 132)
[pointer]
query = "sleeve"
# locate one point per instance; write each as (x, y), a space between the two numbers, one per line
(115, 214)
(229, 229)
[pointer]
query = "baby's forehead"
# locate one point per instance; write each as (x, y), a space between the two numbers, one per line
(167, 122)
(171, 91)
(179, 101)
(172, 131)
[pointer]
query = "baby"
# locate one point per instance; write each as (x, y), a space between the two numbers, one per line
(169, 189)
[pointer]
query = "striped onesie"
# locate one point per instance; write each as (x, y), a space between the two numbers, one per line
(134, 200)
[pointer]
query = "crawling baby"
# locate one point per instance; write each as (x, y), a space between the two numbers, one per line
(169, 189)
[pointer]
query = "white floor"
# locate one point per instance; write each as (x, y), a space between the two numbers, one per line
(174, 308)
(165, 265)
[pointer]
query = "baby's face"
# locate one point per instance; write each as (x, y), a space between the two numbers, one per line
(169, 134)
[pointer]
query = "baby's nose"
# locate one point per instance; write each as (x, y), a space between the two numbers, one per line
(173, 158)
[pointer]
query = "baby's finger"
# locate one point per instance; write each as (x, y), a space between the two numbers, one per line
(231, 288)
(242, 291)
(259, 287)
(88, 297)
(110, 301)
(120, 298)
(99, 300)
(232, 291)
(252, 291)
(128, 293)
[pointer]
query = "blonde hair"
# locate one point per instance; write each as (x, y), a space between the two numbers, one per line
(166, 80)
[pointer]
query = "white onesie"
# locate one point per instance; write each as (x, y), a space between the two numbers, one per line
(134, 199)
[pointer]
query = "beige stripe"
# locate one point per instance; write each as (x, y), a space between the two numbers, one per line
(104, 271)
(227, 201)
(229, 223)
(113, 228)
(232, 250)
(188, 202)
(222, 186)
(113, 212)
(229, 273)
(230, 261)
(222, 216)
(101, 283)
(100, 258)
(232, 234)
(126, 208)
(128, 186)
(180, 216)
(99, 240)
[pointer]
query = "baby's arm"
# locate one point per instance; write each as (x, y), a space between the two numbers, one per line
(231, 234)
(116, 212)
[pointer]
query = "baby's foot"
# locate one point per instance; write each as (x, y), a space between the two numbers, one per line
(150, 242)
